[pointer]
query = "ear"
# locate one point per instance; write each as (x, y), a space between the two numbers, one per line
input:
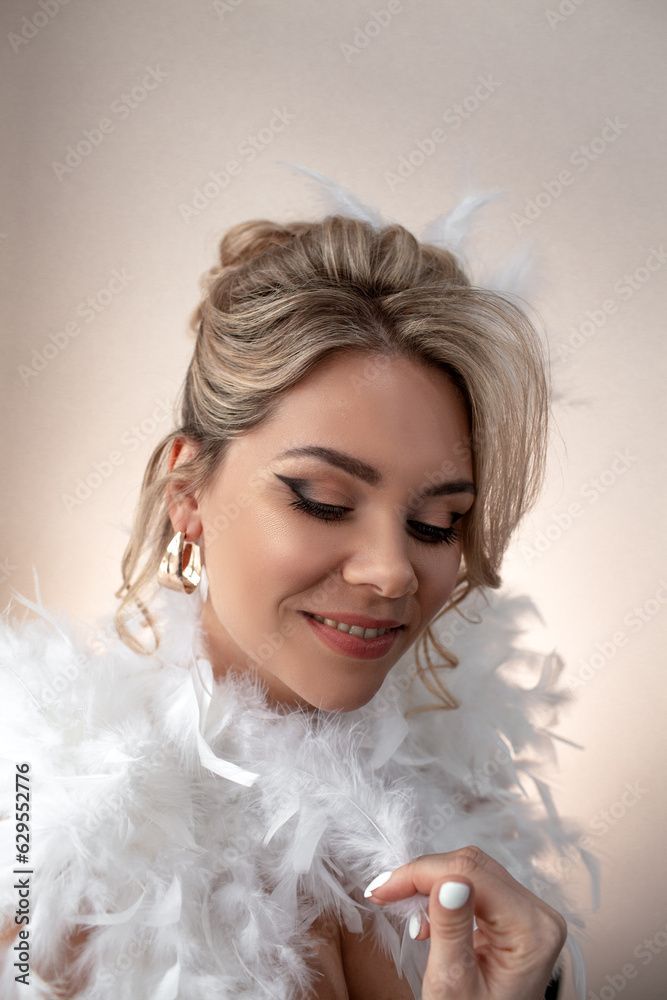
(184, 512)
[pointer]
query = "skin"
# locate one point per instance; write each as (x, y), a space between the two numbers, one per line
(273, 561)
(267, 562)
(518, 938)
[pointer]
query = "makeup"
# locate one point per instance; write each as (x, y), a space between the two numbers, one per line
(352, 645)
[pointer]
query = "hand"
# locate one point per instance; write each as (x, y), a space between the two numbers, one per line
(511, 954)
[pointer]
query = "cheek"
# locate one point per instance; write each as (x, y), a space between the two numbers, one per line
(261, 554)
(438, 579)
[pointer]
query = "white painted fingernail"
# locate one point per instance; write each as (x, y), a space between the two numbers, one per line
(377, 882)
(453, 895)
(414, 926)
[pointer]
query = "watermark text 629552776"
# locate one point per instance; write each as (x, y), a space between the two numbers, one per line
(21, 947)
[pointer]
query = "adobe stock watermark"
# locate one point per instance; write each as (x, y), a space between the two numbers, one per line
(131, 439)
(122, 107)
(87, 311)
(634, 621)
(271, 642)
(581, 158)
(565, 9)
(31, 26)
(364, 34)
(597, 827)
(222, 7)
(53, 695)
(624, 289)
(372, 368)
(397, 684)
(479, 784)
(644, 952)
(248, 150)
(453, 117)
(136, 948)
(7, 570)
(590, 491)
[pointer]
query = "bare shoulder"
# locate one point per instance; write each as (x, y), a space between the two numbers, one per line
(370, 975)
(328, 964)
(62, 984)
(352, 967)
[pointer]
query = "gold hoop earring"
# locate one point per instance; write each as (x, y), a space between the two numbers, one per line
(180, 568)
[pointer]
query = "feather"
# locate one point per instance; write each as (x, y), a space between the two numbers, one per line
(451, 229)
(197, 886)
(339, 199)
(167, 988)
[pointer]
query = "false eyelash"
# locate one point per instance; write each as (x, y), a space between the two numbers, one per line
(323, 510)
(328, 512)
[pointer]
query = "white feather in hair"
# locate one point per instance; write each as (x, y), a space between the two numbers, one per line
(339, 199)
(199, 832)
(450, 230)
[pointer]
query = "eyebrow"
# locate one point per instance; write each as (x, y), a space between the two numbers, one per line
(369, 474)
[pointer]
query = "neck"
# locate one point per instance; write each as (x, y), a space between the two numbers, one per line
(225, 655)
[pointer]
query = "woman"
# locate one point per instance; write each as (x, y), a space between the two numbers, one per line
(361, 431)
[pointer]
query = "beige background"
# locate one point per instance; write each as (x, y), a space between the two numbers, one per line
(555, 73)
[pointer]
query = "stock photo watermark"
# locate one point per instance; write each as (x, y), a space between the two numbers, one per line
(222, 7)
(644, 952)
(23, 808)
(590, 491)
(453, 118)
(624, 289)
(581, 158)
(31, 26)
(248, 150)
(121, 108)
(598, 826)
(130, 440)
(606, 649)
(86, 311)
(564, 10)
(364, 34)
(7, 570)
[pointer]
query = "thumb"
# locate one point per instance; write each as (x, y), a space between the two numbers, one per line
(452, 959)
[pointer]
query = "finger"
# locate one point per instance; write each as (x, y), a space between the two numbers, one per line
(505, 910)
(419, 926)
(452, 961)
(419, 875)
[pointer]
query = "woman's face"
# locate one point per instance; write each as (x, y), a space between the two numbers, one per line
(320, 511)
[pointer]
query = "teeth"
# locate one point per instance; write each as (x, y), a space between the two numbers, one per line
(362, 633)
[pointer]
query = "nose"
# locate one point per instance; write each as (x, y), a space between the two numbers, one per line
(381, 559)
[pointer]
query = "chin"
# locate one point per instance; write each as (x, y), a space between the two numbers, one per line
(344, 703)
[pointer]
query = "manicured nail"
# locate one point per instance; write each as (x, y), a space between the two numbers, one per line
(453, 895)
(377, 882)
(414, 926)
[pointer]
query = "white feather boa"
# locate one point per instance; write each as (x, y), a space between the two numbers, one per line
(200, 832)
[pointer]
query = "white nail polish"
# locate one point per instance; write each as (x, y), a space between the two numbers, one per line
(377, 882)
(414, 926)
(453, 895)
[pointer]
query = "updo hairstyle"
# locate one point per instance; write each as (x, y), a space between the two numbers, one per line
(285, 297)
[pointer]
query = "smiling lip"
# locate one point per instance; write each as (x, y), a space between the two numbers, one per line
(362, 620)
(352, 645)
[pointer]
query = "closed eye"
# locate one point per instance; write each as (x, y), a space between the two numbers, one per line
(429, 534)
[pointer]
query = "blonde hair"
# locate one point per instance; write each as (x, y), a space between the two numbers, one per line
(284, 297)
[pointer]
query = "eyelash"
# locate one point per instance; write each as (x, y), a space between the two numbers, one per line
(328, 512)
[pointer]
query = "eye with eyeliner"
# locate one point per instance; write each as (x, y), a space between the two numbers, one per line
(332, 512)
